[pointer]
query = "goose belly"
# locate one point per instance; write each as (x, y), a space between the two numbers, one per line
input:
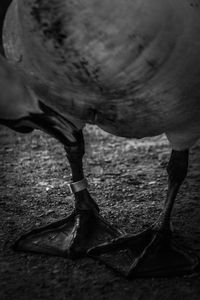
(131, 67)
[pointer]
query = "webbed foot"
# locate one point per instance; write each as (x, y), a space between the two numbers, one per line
(70, 237)
(153, 253)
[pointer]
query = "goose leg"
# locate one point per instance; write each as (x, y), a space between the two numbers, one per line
(84, 228)
(154, 251)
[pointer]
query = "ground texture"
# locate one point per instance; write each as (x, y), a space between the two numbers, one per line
(128, 180)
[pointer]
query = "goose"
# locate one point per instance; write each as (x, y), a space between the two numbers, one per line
(133, 69)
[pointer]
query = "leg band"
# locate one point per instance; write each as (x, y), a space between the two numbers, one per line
(78, 186)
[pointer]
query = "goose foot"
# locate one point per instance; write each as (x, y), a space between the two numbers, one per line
(152, 253)
(70, 237)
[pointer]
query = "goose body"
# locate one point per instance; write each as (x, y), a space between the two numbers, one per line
(130, 67)
(16, 99)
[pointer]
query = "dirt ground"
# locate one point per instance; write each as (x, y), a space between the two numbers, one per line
(128, 180)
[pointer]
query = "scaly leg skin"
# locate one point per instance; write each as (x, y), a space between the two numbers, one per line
(83, 229)
(154, 252)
